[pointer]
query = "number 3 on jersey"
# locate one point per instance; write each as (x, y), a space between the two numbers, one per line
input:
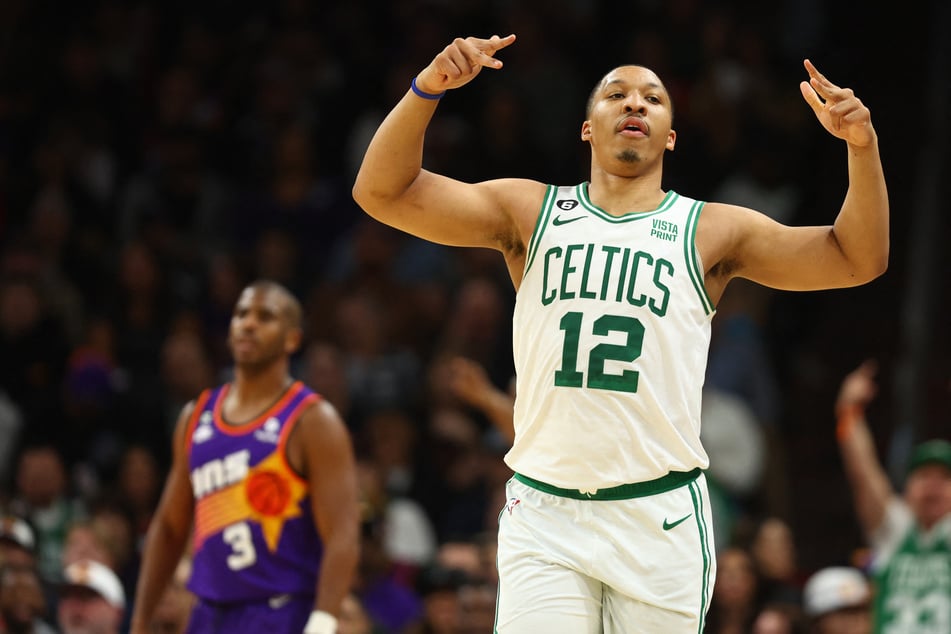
(570, 376)
(238, 536)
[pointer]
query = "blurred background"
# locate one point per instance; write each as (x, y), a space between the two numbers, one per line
(156, 156)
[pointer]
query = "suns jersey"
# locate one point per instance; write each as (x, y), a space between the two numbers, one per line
(611, 335)
(254, 533)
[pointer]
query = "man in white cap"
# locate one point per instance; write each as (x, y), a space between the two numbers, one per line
(837, 600)
(91, 599)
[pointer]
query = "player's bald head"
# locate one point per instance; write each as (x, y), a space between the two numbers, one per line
(288, 305)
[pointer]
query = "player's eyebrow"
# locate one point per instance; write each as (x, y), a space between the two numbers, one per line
(650, 84)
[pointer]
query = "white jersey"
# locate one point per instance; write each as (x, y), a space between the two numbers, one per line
(611, 334)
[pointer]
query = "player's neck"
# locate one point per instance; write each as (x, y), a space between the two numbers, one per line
(253, 385)
(618, 194)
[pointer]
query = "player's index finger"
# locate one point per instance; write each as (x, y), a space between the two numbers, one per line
(503, 42)
(495, 43)
(821, 83)
(814, 72)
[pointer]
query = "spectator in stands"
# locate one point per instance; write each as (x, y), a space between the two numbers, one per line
(838, 600)
(22, 604)
(91, 599)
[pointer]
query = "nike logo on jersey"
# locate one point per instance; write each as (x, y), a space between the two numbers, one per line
(558, 220)
(670, 525)
(278, 602)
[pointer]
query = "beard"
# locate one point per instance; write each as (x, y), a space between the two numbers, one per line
(259, 358)
(629, 156)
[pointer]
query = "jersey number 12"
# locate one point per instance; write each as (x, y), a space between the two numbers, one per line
(569, 375)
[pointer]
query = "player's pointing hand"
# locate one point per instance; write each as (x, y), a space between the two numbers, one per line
(460, 62)
(838, 109)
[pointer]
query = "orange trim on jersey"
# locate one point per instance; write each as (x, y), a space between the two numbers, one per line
(289, 425)
(243, 428)
(193, 418)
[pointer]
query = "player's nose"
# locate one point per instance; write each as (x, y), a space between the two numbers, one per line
(633, 103)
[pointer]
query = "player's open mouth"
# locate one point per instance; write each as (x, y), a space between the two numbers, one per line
(633, 126)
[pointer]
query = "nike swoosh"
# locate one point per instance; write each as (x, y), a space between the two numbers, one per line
(670, 525)
(278, 602)
(558, 221)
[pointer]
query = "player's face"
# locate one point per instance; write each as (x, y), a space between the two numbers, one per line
(928, 493)
(629, 124)
(260, 333)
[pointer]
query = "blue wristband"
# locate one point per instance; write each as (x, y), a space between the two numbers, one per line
(425, 95)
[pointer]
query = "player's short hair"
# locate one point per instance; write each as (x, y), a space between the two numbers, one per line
(291, 308)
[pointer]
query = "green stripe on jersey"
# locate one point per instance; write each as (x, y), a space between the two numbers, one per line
(690, 255)
(665, 204)
(540, 223)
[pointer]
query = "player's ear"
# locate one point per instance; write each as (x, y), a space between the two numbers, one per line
(293, 340)
(586, 131)
(671, 139)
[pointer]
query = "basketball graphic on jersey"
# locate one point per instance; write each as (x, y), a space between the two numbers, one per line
(268, 492)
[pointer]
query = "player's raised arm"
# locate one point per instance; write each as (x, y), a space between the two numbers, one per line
(861, 228)
(854, 249)
(391, 185)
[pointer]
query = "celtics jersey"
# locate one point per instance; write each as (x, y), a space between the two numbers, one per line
(254, 534)
(611, 334)
(912, 575)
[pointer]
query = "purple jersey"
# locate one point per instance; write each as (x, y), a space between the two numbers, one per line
(254, 534)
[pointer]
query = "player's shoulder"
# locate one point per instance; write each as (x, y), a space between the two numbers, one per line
(318, 428)
(515, 191)
(730, 210)
(199, 402)
(317, 411)
(728, 219)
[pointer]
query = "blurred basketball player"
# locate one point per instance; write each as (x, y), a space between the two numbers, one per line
(263, 480)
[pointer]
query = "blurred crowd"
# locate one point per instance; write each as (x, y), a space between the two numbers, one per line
(157, 156)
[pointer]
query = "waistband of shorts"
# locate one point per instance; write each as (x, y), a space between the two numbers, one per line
(673, 480)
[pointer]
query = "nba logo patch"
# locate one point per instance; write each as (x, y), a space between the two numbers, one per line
(511, 504)
(204, 429)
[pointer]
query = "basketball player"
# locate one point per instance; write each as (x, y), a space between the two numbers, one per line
(264, 469)
(608, 519)
(910, 534)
